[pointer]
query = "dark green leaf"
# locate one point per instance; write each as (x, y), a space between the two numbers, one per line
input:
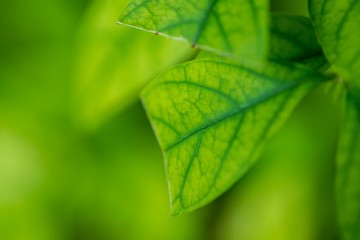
(348, 172)
(293, 38)
(337, 23)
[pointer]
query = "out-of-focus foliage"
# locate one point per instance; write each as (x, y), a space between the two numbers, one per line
(293, 38)
(114, 63)
(348, 171)
(58, 181)
(337, 25)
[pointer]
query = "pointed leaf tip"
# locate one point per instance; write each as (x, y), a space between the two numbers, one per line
(211, 118)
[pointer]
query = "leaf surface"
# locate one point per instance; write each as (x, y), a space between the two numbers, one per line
(337, 23)
(228, 27)
(293, 39)
(212, 116)
(348, 172)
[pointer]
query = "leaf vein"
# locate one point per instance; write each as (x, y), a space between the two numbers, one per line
(236, 111)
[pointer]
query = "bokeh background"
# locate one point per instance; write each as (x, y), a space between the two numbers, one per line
(78, 159)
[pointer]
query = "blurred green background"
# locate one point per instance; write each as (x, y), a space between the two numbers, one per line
(78, 159)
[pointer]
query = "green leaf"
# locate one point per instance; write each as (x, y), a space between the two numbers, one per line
(337, 25)
(236, 28)
(348, 172)
(113, 64)
(212, 116)
(293, 39)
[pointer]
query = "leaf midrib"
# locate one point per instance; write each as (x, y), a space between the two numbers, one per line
(236, 111)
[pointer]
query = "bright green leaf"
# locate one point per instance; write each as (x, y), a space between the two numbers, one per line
(228, 27)
(114, 64)
(337, 23)
(212, 116)
(348, 173)
(293, 38)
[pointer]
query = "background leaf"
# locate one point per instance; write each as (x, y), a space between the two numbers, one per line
(348, 172)
(228, 27)
(337, 25)
(212, 116)
(293, 38)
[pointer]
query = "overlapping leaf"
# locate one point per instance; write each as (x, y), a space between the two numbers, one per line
(293, 39)
(337, 25)
(348, 172)
(230, 27)
(212, 116)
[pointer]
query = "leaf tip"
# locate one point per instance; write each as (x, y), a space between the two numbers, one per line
(177, 207)
(176, 210)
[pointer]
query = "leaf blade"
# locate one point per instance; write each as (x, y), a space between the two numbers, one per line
(212, 25)
(348, 168)
(215, 137)
(293, 39)
(337, 27)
